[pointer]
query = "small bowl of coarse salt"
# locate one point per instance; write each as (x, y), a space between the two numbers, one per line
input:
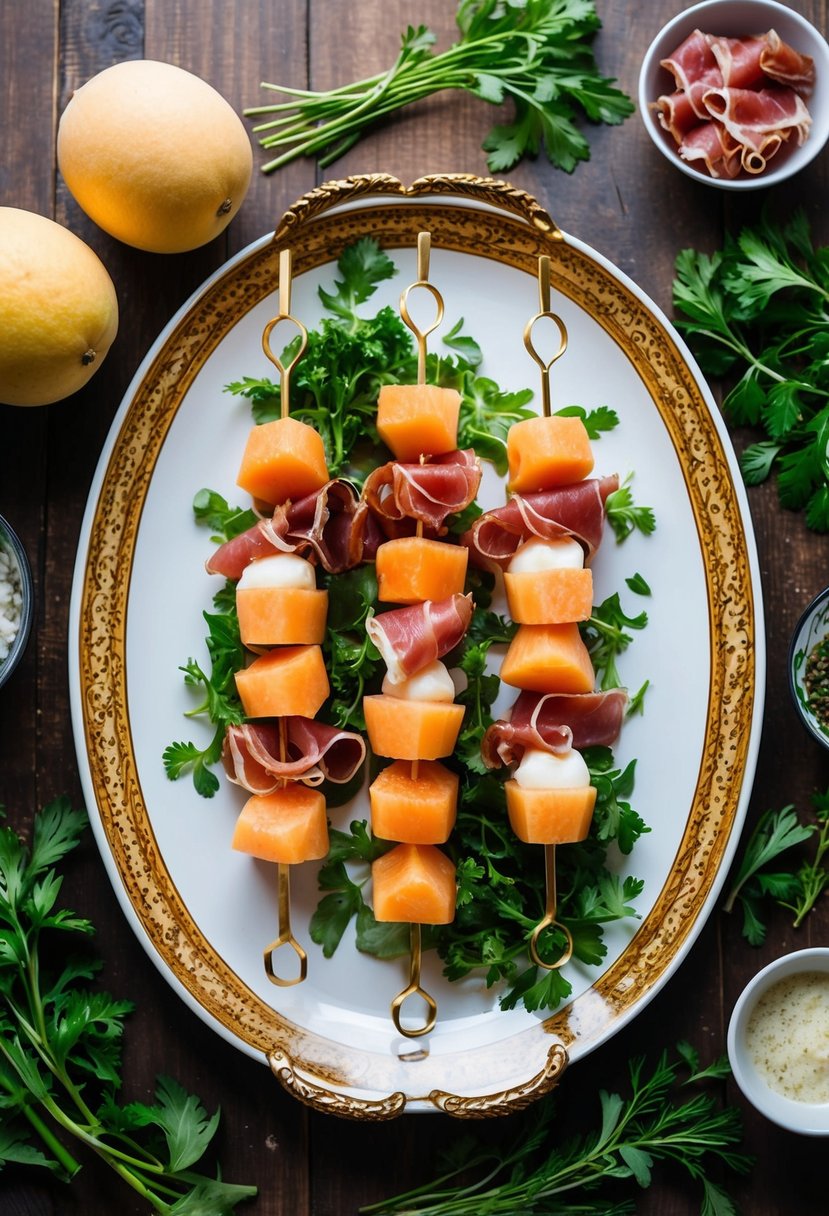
(16, 600)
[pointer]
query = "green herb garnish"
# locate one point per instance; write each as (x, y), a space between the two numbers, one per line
(536, 54)
(795, 889)
(221, 705)
(758, 310)
(60, 1046)
(661, 1119)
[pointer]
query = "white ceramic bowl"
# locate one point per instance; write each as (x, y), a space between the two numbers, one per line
(11, 544)
(808, 1118)
(738, 19)
(810, 631)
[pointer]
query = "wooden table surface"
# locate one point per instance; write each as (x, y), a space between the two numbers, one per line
(630, 205)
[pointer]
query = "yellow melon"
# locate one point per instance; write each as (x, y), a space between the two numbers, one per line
(154, 155)
(58, 310)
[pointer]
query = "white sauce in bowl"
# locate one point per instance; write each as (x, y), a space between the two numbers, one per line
(787, 1037)
(11, 601)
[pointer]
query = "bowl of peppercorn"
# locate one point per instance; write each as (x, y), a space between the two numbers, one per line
(809, 667)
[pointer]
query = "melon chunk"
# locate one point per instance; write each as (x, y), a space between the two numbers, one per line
(415, 420)
(287, 680)
(414, 884)
(283, 459)
(549, 597)
(281, 616)
(548, 658)
(412, 569)
(547, 452)
(550, 816)
(411, 730)
(415, 810)
(288, 825)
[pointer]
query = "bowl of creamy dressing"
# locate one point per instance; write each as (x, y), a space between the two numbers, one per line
(16, 600)
(778, 1041)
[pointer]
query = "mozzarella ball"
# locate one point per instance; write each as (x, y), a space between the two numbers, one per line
(432, 683)
(536, 554)
(280, 570)
(540, 770)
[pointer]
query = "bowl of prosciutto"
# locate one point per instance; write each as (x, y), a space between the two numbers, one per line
(735, 93)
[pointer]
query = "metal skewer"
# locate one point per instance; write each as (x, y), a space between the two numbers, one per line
(545, 313)
(284, 314)
(414, 988)
(424, 247)
(549, 920)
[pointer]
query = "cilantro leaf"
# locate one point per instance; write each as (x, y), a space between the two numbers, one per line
(362, 265)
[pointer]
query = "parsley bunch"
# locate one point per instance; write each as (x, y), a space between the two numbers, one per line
(661, 1119)
(759, 310)
(60, 1047)
(796, 888)
(535, 53)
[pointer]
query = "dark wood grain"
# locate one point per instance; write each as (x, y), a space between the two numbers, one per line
(629, 204)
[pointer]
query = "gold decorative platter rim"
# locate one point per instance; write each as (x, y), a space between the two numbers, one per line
(488, 227)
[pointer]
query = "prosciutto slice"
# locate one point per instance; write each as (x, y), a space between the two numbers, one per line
(694, 68)
(426, 493)
(314, 752)
(332, 525)
(711, 143)
(737, 100)
(754, 117)
(577, 510)
(554, 722)
(410, 638)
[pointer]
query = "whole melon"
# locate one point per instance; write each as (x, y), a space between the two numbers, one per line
(58, 310)
(154, 155)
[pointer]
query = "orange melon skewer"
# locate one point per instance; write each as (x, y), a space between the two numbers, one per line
(549, 919)
(284, 459)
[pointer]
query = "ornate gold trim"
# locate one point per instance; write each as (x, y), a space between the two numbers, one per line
(510, 1099)
(515, 235)
(485, 190)
(329, 1102)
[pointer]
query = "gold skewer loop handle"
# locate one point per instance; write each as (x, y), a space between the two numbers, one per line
(424, 245)
(549, 920)
(545, 314)
(285, 274)
(286, 937)
(414, 989)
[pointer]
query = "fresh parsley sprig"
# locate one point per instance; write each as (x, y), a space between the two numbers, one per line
(795, 889)
(535, 53)
(60, 1047)
(663, 1118)
(221, 705)
(606, 633)
(758, 310)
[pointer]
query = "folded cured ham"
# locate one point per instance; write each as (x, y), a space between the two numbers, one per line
(331, 524)
(426, 492)
(410, 638)
(314, 752)
(737, 101)
(577, 510)
(554, 722)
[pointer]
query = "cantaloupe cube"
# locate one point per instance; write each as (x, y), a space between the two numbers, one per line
(287, 680)
(415, 810)
(547, 452)
(417, 420)
(548, 658)
(288, 825)
(414, 884)
(411, 730)
(281, 616)
(283, 459)
(549, 597)
(413, 568)
(550, 816)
